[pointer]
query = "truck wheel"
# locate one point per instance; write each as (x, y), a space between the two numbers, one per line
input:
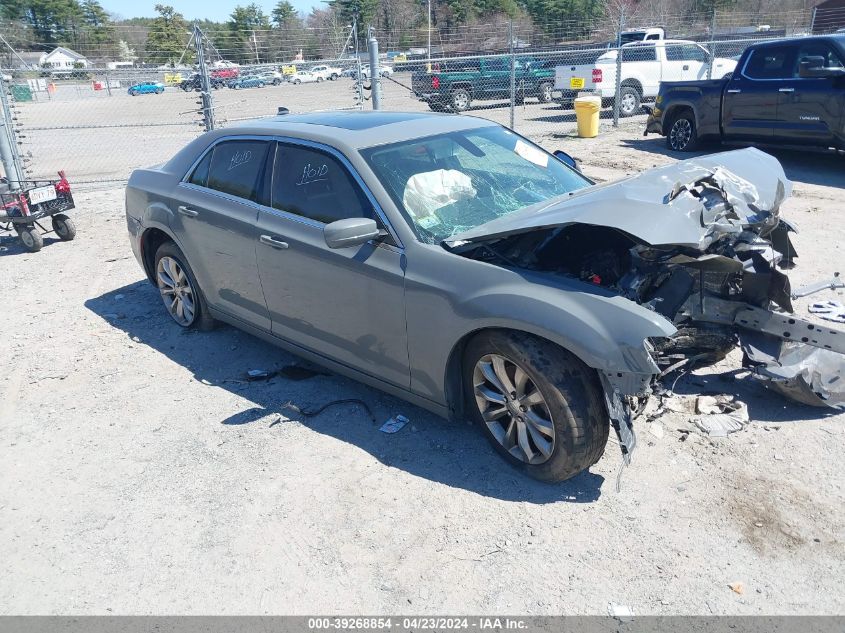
(540, 407)
(629, 101)
(31, 238)
(682, 136)
(64, 227)
(460, 100)
(545, 95)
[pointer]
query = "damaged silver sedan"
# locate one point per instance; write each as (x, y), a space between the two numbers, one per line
(457, 265)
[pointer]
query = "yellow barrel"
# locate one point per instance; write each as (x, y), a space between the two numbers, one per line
(587, 113)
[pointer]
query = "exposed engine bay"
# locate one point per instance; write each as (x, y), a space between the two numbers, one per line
(720, 281)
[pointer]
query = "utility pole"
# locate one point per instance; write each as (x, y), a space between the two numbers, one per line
(12, 164)
(513, 74)
(375, 77)
(255, 47)
(711, 49)
(428, 49)
(205, 84)
(618, 95)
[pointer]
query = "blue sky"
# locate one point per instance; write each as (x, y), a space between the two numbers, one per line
(196, 9)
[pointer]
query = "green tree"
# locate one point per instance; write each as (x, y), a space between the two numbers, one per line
(53, 22)
(168, 35)
(283, 13)
(364, 11)
(249, 29)
(98, 34)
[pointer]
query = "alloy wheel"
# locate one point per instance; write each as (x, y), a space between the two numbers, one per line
(680, 134)
(176, 291)
(514, 409)
(629, 102)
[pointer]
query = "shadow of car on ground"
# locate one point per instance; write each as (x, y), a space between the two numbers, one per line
(430, 447)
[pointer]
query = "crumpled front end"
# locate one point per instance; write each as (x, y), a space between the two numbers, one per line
(700, 242)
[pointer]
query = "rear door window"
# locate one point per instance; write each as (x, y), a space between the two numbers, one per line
(639, 53)
(237, 168)
(770, 63)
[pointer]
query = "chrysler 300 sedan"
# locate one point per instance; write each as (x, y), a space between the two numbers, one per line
(457, 265)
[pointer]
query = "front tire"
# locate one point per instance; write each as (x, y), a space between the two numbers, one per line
(682, 135)
(540, 407)
(179, 289)
(31, 238)
(64, 227)
(545, 95)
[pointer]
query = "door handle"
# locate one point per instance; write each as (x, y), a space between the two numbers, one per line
(191, 213)
(686, 67)
(734, 91)
(786, 90)
(271, 241)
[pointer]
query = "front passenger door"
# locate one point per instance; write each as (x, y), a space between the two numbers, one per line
(346, 304)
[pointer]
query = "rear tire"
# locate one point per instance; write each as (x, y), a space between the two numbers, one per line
(629, 101)
(165, 256)
(682, 135)
(460, 100)
(31, 238)
(545, 92)
(64, 227)
(558, 403)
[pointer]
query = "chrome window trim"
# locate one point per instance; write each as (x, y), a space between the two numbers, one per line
(279, 212)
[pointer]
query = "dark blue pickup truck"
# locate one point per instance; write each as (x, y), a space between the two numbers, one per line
(786, 91)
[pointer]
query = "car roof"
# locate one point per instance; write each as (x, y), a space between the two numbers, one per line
(356, 130)
(837, 38)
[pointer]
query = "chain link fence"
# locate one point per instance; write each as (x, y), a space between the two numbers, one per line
(100, 122)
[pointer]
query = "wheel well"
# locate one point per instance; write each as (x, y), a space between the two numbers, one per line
(150, 241)
(673, 113)
(633, 83)
(454, 383)
(462, 86)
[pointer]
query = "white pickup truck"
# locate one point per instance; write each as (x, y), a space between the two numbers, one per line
(644, 65)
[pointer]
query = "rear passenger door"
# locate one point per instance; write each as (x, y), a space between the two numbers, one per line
(750, 103)
(347, 304)
(215, 223)
(810, 109)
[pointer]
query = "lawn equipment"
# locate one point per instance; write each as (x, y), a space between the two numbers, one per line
(36, 200)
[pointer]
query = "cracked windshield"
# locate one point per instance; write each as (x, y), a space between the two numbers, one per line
(451, 183)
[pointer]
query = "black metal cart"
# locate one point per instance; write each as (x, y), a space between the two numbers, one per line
(35, 200)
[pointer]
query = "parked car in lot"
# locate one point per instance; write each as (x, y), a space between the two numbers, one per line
(785, 91)
(194, 82)
(383, 71)
(146, 88)
(457, 265)
(455, 84)
(226, 73)
(273, 77)
(304, 77)
(247, 81)
(644, 66)
(330, 73)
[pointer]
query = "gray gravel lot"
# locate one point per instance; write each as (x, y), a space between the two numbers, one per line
(140, 474)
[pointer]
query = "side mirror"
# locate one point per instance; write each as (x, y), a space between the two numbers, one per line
(813, 68)
(566, 159)
(350, 232)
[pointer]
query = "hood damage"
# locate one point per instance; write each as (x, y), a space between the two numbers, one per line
(700, 242)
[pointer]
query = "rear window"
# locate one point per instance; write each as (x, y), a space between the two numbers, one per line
(236, 168)
(770, 63)
(641, 53)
